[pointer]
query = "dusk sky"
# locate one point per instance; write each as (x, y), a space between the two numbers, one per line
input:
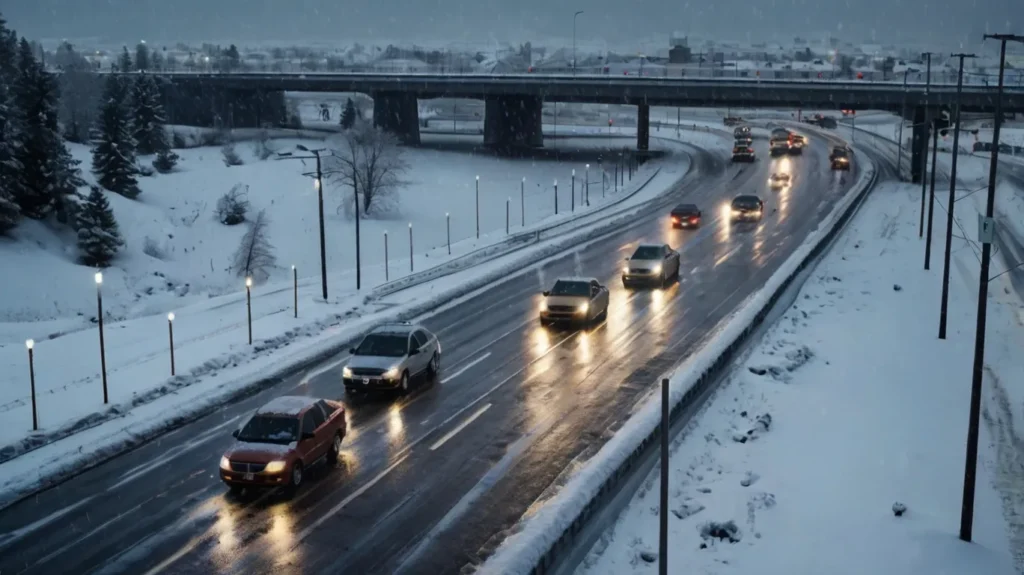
(881, 21)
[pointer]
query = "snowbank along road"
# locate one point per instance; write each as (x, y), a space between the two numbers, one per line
(432, 482)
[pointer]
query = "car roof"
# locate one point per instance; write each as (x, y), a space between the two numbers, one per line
(291, 405)
(746, 197)
(686, 207)
(395, 328)
(576, 279)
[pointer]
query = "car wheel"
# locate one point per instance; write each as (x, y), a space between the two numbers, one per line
(296, 479)
(335, 450)
(236, 489)
(404, 384)
(434, 366)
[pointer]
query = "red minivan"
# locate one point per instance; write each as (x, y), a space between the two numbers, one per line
(281, 440)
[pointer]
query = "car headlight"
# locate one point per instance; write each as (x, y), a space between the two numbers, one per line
(224, 463)
(584, 307)
(625, 269)
(543, 305)
(391, 373)
(657, 269)
(346, 372)
(275, 467)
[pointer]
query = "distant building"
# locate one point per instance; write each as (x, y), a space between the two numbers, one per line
(680, 55)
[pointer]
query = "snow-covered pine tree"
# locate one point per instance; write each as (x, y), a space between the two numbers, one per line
(99, 237)
(8, 52)
(348, 115)
(124, 63)
(43, 181)
(141, 57)
(10, 213)
(113, 153)
(165, 161)
(148, 117)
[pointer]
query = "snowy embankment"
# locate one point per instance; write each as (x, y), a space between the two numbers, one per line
(536, 535)
(213, 361)
(848, 410)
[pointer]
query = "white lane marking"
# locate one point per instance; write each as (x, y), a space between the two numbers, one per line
(333, 510)
(12, 536)
(174, 558)
(461, 426)
(322, 370)
(173, 454)
(466, 367)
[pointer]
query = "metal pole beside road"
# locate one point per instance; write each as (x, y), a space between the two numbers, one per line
(931, 198)
(663, 513)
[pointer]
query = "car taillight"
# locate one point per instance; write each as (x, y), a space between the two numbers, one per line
(675, 219)
(694, 218)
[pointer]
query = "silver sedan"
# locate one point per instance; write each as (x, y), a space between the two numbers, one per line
(390, 356)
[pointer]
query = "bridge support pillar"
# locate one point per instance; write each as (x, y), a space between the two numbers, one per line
(512, 122)
(643, 127)
(397, 113)
(918, 144)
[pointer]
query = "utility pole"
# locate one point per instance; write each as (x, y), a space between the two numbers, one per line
(903, 119)
(952, 196)
(987, 229)
(578, 12)
(924, 152)
(931, 197)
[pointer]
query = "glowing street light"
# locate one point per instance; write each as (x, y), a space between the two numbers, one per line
(99, 320)
(170, 333)
(248, 305)
(29, 344)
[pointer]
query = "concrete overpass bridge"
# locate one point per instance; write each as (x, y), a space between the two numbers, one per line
(513, 102)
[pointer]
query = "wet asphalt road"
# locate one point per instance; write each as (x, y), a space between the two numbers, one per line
(429, 483)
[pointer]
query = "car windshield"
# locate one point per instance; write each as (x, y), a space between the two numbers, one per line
(685, 210)
(745, 202)
(839, 153)
(270, 429)
(571, 288)
(386, 345)
(647, 253)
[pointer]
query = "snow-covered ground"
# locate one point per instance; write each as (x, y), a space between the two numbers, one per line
(212, 357)
(848, 405)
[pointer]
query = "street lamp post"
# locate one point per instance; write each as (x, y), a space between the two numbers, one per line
(522, 201)
(952, 196)
(478, 207)
(578, 12)
(556, 197)
(572, 188)
(971, 464)
(387, 271)
(99, 319)
(931, 197)
(924, 155)
(248, 305)
(32, 381)
(295, 291)
(903, 116)
(448, 230)
(410, 248)
(170, 335)
(318, 184)
(586, 184)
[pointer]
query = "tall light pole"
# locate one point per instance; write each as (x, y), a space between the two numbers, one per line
(924, 154)
(903, 119)
(99, 318)
(170, 335)
(318, 184)
(952, 196)
(931, 196)
(478, 207)
(971, 464)
(578, 12)
(30, 344)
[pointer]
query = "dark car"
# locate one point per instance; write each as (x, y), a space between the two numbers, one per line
(743, 154)
(747, 208)
(686, 216)
(840, 158)
(281, 440)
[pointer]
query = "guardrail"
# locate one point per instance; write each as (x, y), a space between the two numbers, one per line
(550, 561)
(520, 240)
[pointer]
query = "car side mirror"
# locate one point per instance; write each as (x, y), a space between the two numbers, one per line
(234, 434)
(308, 435)
(352, 350)
(545, 293)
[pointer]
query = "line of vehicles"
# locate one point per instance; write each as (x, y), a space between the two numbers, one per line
(284, 438)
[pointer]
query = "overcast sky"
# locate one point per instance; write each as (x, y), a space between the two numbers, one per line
(616, 21)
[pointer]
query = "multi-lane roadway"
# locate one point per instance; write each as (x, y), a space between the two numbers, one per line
(431, 482)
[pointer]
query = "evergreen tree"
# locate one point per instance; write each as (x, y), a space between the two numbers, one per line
(113, 153)
(43, 179)
(141, 57)
(165, 161)
(124, 63)
(148, 117)
(232, 59)
(99, 238)
(8, 53)
(348, 115)
(9, 166)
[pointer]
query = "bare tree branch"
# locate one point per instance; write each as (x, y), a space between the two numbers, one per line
(368, 160)
(255, 255)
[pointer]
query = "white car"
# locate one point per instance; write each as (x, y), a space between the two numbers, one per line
(651, 264)
(574, 300)
(390, 356)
